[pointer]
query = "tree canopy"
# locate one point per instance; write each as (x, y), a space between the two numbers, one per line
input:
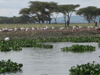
(67, 10)
(89, 13)
(43, 12)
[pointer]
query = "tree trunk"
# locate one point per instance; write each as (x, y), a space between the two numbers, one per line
(42, 20)
(65, 19)
(49, 19)
(88, 21)
(99, 19)
(55, 21)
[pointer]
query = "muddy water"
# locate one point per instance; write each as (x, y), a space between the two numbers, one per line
(38, 61)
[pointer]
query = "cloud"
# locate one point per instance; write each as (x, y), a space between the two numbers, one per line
(12, 7)
(12, 4)
(9, 12)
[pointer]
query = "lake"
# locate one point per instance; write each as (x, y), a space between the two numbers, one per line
(38, 61)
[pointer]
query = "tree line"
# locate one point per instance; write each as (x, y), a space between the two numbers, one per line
(43, 12)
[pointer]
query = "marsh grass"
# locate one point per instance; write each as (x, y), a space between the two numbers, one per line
(41, 34)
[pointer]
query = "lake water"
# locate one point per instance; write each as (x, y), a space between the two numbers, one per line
(37, 61)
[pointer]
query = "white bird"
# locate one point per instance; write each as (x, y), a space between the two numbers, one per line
(91, 27)
(96, 28)
(53, 27)
(61, 28)
(10, 30)
(41, 28)
(15, 29)
(44, 28)
(5, 29)
(6, 39)
(37, 28)
(80, 27)
(22, 28)
(74, 28)
(33, 28)
(0, 30)
(27, 29)
(88, 27)
(47, 27)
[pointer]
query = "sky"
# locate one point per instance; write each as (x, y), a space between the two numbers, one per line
(10, 8)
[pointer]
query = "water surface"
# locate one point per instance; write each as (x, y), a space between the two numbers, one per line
(37, 61)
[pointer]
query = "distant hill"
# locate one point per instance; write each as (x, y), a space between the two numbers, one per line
(73, 19)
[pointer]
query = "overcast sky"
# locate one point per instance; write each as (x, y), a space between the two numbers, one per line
(10, 8)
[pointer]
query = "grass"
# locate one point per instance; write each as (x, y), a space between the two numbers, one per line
(47, 34)
(44, 25)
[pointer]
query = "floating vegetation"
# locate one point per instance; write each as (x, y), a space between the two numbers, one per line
(18, 44)
(85, 69)
(4, 47)
(9, 66)
(32, 39)
(78, 48)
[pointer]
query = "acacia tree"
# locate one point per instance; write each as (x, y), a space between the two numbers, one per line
(25, 15)
(41, 9)
(67, 10)
(24, 11)
(89, 13)
(98, 14)
(50, 8)
(54, 11)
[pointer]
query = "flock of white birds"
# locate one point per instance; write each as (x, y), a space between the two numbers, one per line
(74, 28)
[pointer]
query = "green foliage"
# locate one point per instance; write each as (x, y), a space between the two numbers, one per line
(18, 44)
(67, 10)
(78, 48)
(85, 69)
(4, 47)
(9, 66)
(89, 13)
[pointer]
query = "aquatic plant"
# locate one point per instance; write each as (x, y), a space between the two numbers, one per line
(21, 39)
(78, 48)
(85, 69)
(9, 66)
(18, 44)
(4, 47)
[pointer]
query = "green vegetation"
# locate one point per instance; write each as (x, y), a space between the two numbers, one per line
(18, 44)
(9, 66)
(44, 25)
(86, 69)
(90, 13)
(78, 48)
